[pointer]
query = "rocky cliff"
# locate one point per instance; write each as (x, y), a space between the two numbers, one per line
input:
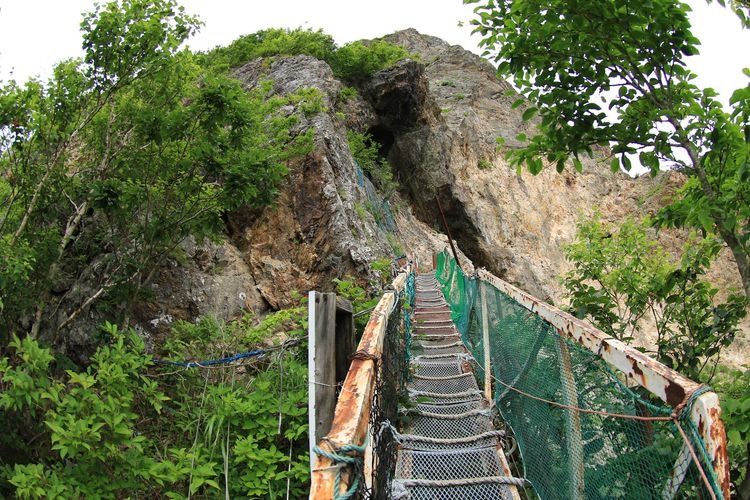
(436, 118)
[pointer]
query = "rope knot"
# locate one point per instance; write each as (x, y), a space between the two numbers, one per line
(364, 355)
(342, 455)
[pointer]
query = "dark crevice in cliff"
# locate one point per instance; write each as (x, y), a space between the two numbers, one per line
(384, 137)
(462, 228)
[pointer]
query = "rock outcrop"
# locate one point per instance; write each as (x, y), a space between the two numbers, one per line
(437, 119)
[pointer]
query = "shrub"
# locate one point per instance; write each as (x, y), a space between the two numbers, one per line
(733, 387)
(366, 152)
(271, 42)
(353, 61)
(621, 277)
(348, 93)
(484, 164)
(126, 426)
(357, 60)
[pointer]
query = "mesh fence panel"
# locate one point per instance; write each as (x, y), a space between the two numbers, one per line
(568, 453)
(391, 383)
(379, 207)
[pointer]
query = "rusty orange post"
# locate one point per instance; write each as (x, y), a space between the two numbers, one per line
(351, 418)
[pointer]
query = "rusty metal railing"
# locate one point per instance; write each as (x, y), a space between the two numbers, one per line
(332, 478)
(670, 386)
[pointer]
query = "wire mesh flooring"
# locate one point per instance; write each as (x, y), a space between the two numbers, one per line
(449, 447)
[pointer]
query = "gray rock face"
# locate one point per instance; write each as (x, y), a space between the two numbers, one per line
(319, 228)
(437, 118)
(511, 223)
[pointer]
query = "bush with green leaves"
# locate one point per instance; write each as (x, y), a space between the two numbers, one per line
(120, 156)
(358, 60)
(366, 152)
(621, 277)
(733, 386)
(268, 43)
(353, 61)
(81, 434)
(125, 425)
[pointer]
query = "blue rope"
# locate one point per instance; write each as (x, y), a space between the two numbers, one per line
(210, 362)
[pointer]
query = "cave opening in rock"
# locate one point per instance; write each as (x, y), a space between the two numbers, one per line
(461, 227)
(384, 137)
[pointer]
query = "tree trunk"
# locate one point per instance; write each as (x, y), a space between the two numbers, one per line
(742, 259)
(743, 264)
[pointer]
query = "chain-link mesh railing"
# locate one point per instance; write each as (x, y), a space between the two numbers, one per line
(390, 385)
(356, 459)
(581, 432)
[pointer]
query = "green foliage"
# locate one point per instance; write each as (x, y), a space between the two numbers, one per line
(396, 246)
(733, 387)
(125, 426)
(80, 433)
(271, 42)
(352, 61)
(622, 277)
(361, 298)
(361, 211)
(358, 60)
(122, 155)
(575, 62)
(484, 164)
(367, 155)
(348, 93)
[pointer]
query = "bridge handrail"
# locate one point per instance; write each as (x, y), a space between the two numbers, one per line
(352, 414)
(670, 386)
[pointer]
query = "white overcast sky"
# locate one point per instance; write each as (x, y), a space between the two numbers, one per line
(34, 34)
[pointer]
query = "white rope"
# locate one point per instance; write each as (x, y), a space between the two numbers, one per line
(401, 438)
(471, 481)
(450, 395)
(483, 412)
(448, 377)
(422, 337)
(439, 346)
(462, 356)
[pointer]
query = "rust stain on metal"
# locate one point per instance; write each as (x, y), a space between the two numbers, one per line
(675, 393)
(352, 414)
(719, 457)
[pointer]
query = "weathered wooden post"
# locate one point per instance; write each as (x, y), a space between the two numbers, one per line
(330, 345)
(344, 339)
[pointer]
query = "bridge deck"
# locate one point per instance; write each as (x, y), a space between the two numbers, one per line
(449, 447)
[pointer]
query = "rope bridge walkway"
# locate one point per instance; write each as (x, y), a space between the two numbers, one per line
(589, 416)
(449, 447)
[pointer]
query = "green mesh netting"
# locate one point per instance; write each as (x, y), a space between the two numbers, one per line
(390, 384)
(379, 207)
(568, 453)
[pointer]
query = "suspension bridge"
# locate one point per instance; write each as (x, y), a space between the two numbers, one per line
(464, 386)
